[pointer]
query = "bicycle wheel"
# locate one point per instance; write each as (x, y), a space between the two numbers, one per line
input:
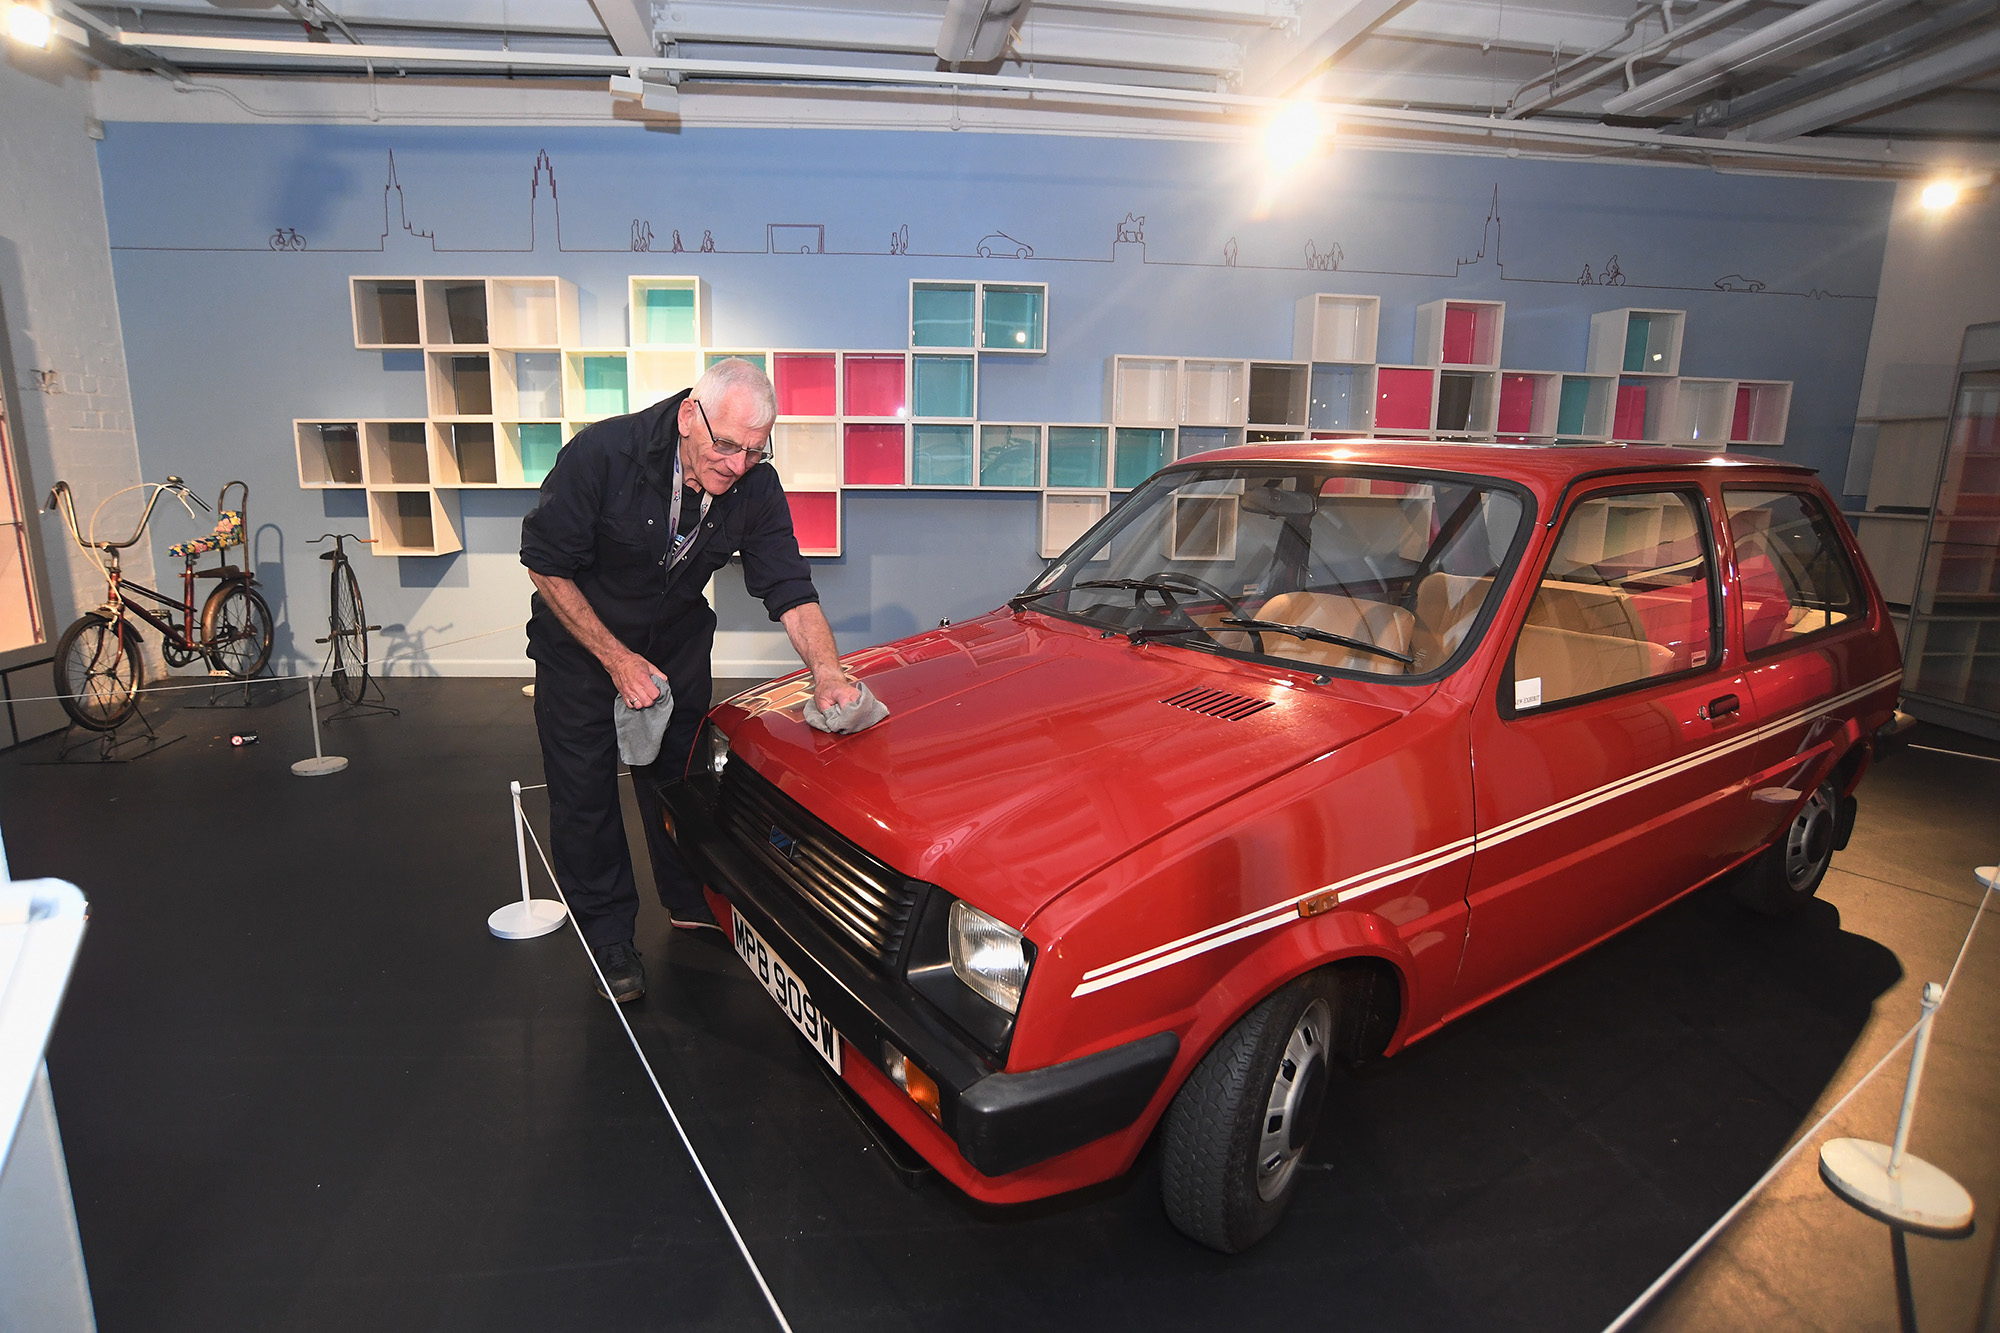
(99, 672)
(236, 630)
(350, 635)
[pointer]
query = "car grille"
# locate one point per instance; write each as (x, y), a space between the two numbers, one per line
(867, 903)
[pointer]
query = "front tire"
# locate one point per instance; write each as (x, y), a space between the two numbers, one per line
(236, 629)
(1786, 875)
(98, 672)
(1238, 1128)
(349, 669)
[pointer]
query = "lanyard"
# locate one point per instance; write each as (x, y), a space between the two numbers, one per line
(682, 545)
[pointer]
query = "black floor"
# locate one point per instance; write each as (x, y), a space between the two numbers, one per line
(301, 1087)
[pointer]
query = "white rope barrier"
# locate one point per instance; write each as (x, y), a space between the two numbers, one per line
(1693, 1251)
(672, 1115)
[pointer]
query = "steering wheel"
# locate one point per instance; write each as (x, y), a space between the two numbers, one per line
(1174, 576)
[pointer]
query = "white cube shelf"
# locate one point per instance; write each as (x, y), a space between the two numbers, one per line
(1214, 393)
(329, 454)
(1143, 390)
(531, 312)
(667, 311)
(1066, 516)
(1762, 410)
(1329, 326)
(385, 314)
(414, 520)
(451, 312)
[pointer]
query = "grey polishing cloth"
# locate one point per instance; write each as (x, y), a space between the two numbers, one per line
(846, 719)
(640, 730)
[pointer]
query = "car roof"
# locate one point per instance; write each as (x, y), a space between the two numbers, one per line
(1546, 469)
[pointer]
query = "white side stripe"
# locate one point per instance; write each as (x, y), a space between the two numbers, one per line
(1382, 877)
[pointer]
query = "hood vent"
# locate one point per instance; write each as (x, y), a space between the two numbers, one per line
(1218, 703)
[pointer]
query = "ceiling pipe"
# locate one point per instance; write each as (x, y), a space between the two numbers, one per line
(1560, 91)
(1774, 41)
(1952, 63)
(1497, 135)
(1815, 80)
(976, 32)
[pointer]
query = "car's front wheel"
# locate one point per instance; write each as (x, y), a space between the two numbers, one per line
(1786, 875)
(1235, 1134)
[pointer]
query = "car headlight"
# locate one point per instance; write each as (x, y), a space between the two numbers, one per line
(989, 957)
(715, 751)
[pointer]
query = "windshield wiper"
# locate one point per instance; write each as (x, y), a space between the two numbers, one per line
(1151, 584)
(1324, 636)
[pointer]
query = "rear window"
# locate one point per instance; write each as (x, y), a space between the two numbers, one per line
(1795, 576)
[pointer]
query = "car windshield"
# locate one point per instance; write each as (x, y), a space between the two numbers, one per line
(1376, 571)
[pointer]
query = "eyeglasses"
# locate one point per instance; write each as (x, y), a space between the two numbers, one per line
(729, 448)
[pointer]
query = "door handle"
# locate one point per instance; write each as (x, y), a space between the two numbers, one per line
(1718, 708)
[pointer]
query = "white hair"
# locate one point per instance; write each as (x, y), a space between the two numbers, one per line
(735, 375)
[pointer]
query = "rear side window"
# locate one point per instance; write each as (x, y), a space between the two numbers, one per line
(1628, 597)
(1794, 572)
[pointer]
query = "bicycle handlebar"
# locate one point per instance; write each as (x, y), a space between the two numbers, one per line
(339, 536)
(61, 498)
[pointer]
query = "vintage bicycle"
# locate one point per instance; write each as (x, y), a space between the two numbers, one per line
(99, 669)
(347, 623)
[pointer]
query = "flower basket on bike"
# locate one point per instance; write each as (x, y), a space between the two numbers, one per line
(99, 668)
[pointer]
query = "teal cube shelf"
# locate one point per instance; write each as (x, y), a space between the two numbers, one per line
(1138, 455)
(1015, 318)
(604, 385)
(539, 444)
(1010, 455)
(941, 386)
(669, 316)
(941, 314)
(1077, 456)
(941, 455)
(1572, 408)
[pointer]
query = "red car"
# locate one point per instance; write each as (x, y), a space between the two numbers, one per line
(1300, 753)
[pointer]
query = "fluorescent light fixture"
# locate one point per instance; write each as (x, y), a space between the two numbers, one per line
(30, 25)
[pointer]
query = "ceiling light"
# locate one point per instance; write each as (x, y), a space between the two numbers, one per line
(30, 25)
(1940, 195)
(1292, 135)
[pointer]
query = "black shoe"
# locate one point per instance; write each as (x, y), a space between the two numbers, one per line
(623, 973)
(696, 918)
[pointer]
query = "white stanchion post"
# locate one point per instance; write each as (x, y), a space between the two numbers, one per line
(1886, 1181)
(320, 764)
(531, 916)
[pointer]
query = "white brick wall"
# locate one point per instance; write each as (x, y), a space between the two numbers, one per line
(62, 318)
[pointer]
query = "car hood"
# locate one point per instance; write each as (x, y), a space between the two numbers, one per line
(1022, 753)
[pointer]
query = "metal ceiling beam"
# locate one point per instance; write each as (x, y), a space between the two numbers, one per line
(1773, 42)
(1276, 13)
(629, 23)
(1824, 77)
(1218, 112)
(1974, 56)
(730, 23)
(1501, 27)
(1279, 62)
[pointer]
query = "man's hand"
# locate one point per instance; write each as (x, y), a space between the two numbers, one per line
(632, 675)
(834, 690)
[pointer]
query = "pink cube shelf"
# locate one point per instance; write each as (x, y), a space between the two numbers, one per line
(815, 520)
(804, 384)
(1402, 398)
(1461, 325)
(1629, 421)
(875, 386)
(1517, 404)
(1739, 426)
(874, 455)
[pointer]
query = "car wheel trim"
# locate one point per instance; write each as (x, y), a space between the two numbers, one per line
(1809, 840)
(1292, 1108)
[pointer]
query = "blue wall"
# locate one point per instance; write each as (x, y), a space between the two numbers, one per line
(229, 340)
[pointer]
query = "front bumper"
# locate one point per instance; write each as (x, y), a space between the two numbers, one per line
(1000, 1122)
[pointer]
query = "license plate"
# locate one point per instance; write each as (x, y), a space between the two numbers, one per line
(787, 990)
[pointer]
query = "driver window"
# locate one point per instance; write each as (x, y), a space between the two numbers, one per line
(1627, 598)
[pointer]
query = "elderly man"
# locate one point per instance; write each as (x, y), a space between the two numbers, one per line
(637, 514)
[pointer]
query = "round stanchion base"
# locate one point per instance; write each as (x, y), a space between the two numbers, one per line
(1989, 876)
(1918, 1198)
(527, 919)
(318, 766)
